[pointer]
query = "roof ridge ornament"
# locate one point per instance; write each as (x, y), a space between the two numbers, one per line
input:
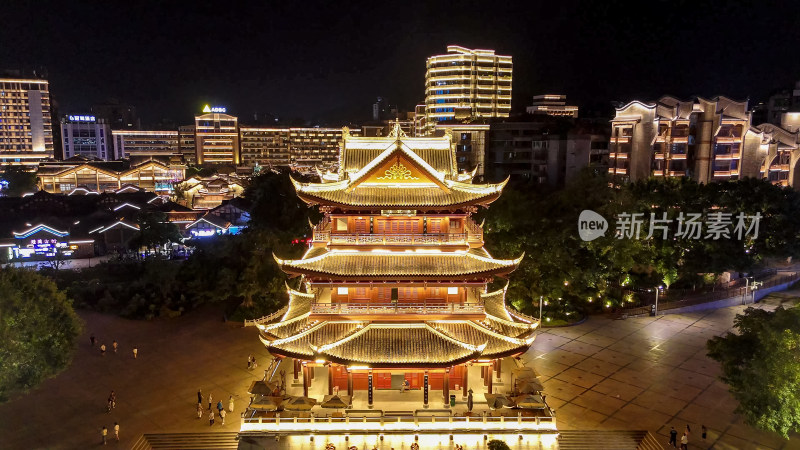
(397, 132)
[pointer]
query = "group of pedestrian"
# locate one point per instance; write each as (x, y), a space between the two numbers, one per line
(114, 346)
(220, 408)
(104, 433)
(673, 436)
(251, 362)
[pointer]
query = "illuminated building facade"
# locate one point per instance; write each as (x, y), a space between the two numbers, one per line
(707, 140)
(467, 84)
(265, 146)
(131, 143)
(87, 136)
(394, 283)
(210, 192)
(42, 242)
(186, 144)
(552, 105)
(216, 137)
(312, 145)
(780, 149)
(26, 128)
(66, 176)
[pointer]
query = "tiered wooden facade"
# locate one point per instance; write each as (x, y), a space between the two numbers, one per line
(395, 278)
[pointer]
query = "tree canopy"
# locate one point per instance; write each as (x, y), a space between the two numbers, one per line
(572, 274)
(20, 181)
(38, 328)
(761, 365)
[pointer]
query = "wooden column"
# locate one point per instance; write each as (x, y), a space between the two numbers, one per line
(489, 378)
(498, 366)
(306, 381)
(446, 387)
(425, 389)
(464, 380)
(369, 389)
(350, 383)
(296, 369)
(330, 379)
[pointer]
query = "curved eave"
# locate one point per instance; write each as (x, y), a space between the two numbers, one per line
(484, 201)
(400, 365)
(289, 268)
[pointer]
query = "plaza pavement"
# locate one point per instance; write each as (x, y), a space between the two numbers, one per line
(155, 393)
(647, 373)
(639, 373)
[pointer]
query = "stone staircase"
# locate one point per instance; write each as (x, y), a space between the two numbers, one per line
(600, 439)
(187, 441)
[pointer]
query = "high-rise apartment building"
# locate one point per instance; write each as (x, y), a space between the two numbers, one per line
(467, 84)
(86, 135)
(128, 143)
(707, 140)
(26, 129)
(216, 137)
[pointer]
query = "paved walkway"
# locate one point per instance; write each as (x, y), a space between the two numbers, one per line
(641, 373)
(155, 393)
(647, 373)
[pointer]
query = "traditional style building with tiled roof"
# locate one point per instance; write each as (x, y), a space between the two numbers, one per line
(393, 287)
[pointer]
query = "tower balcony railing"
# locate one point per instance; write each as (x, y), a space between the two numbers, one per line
(399, 307)
(392, 239)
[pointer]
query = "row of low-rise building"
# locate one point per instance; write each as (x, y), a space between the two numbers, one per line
(707, 140)
(81, 223)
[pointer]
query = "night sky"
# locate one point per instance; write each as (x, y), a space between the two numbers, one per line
(327, 61)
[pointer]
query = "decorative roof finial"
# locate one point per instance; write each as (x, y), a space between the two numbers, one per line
(397, 132)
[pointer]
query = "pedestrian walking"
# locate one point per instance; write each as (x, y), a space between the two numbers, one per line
(103, 349)
(112, 401)
(104, 434)
(116, 431)
(222, 415)
(135, 351)
(199, 396)
(220, 408)
(685, 441)
(673, 437)
(115, 345)
(199, 410)
(210, 400)
(255, 364)
(211, 418)
(92, 339)
(250, 361)
(230, 404)
(703, 431)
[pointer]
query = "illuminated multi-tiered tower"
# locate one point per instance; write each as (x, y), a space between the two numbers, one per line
(395, 280)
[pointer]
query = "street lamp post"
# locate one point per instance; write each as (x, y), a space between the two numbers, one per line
(746, 286)
(541, 299)
(658, 288)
